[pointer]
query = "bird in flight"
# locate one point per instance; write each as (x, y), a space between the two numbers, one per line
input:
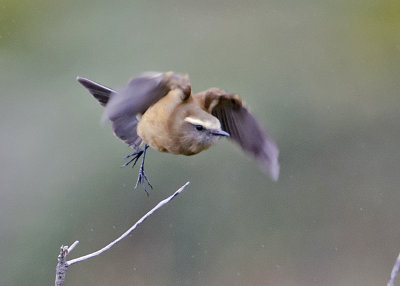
(159, 110)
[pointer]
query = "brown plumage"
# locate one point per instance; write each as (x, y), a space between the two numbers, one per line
(160, 110)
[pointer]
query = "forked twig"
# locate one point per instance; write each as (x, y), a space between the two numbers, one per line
(63, 264)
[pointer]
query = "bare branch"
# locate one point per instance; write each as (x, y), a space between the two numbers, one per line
(73, 246)
(395, 271)
(62, 264)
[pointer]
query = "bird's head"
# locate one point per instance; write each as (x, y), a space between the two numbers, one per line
(201, 131)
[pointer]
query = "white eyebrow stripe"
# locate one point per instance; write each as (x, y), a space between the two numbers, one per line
(207, 124)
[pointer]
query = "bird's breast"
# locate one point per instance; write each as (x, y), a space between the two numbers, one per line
(155, 126)
(161, 126)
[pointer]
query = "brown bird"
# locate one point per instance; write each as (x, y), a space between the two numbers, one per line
(159, 110)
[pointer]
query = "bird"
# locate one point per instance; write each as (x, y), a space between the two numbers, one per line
(159, 110)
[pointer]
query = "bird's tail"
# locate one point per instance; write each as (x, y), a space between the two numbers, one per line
(100, 92)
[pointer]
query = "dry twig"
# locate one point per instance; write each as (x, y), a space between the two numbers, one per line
(62, 265)
(395, 271)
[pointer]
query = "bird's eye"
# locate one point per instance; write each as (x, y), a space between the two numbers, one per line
(199, 127)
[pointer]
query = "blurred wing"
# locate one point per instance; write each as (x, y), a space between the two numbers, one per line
(134, 99)
(244, 130)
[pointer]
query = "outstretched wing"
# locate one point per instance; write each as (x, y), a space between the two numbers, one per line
(242, 127)
(136, 97)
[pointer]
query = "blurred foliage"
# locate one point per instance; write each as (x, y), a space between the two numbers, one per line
(321, 76)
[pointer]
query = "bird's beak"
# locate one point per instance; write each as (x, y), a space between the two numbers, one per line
(220, 133)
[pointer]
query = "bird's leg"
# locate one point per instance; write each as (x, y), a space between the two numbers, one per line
(142, 178)
(133, 158)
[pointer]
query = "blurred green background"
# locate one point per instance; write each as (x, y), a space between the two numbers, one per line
(321, 76)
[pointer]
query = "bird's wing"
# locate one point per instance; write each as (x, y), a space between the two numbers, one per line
(243, 128)
(136, 97)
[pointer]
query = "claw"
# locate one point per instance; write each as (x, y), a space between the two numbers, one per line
(142, 177)
(134, 160)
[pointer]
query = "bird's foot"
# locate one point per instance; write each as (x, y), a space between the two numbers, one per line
(143, 180)
(142, 177)
(134, 157)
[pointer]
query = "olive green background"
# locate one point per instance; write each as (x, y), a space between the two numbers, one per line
(321, 76)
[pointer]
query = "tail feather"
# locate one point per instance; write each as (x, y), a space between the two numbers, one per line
(100, 92)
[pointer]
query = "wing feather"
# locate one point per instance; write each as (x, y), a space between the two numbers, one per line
(243, 128)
